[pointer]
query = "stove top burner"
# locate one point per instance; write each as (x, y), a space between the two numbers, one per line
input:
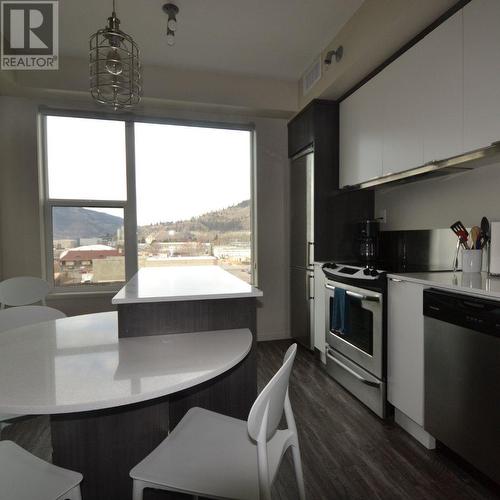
(368, 277)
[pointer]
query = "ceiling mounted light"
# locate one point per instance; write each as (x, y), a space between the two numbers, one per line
(171, 10)
(115, 70)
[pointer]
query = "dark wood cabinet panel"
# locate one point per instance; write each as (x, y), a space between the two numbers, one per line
(301, 131)
(336, 212)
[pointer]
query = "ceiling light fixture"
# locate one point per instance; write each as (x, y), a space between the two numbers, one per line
(171, 10)
(337, 53)
(115, 70)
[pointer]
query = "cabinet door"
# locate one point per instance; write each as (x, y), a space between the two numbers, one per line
(405, 349)
(301, 131)
(319, 308)
(481, 73)
(403, 139)
(442, 90)
(360, 134)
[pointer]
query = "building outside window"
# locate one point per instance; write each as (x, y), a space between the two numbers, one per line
(122, 195)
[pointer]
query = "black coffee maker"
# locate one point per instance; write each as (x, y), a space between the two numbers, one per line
(368, 241)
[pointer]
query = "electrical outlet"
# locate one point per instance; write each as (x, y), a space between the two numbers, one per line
(382, 215)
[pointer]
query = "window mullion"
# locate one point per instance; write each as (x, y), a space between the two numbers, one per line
(54, 202)
(130, 212)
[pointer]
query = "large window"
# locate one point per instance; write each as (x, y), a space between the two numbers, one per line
(183, 198)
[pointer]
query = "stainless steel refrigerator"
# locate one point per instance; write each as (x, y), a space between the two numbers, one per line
(302, 248)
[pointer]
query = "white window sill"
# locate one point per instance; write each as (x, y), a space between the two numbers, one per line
(81, 293)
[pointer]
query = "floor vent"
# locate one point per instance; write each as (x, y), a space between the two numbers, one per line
(311, 77)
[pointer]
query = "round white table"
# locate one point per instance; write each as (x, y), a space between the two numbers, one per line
(106, 395)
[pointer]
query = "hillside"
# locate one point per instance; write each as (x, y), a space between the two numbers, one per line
(234, 221)
(212, 225)
(75, 222)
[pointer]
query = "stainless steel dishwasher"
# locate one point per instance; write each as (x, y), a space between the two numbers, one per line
(462, 376)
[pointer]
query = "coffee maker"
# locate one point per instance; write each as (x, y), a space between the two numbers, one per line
(368, 241)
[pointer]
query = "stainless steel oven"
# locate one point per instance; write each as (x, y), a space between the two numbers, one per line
(362, 339)
(355, 350)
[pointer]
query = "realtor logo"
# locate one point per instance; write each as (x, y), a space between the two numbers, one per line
(30, 38)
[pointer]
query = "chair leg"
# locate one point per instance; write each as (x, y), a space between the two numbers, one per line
(3, 425)
(297, 462)
(138, 490)
(74, 494)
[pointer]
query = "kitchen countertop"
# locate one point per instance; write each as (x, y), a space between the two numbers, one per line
(471, 283)
(180, 283)
(80, 364)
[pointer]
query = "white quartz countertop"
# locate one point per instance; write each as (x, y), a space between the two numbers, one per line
(471, 283)
(165, 284)
(79, 364)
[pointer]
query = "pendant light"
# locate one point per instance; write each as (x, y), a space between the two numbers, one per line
(115, 70)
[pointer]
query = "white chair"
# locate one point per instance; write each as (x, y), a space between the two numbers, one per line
(16, 317)
(26, 477)
(22, 291)
(216, 456)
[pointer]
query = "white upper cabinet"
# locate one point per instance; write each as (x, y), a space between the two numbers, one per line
(481, 73)
(361, 134)
(412, 112)
(403, 134)
(442, 90)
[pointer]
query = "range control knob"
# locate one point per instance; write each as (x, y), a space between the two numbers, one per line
(373, 272)
(366, 271)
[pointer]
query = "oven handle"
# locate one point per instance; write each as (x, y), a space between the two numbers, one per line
(352, 372)
(363, 297)
(371, 298)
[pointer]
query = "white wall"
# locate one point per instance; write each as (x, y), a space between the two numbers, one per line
(174, 86)
(20, 209)
(437, 203)
(375, 31)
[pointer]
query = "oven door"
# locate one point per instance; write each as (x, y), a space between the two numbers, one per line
(362, 337)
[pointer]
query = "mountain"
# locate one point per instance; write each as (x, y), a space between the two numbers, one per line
(75, 222)
(230, 220)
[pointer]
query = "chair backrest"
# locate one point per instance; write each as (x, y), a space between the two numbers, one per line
(272, 397)
(15, 317)
(22, 291)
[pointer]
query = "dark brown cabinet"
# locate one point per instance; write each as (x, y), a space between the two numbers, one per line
(336, 212)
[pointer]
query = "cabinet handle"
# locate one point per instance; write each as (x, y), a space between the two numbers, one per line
(310, 245)
(311, 277)
(396, 280)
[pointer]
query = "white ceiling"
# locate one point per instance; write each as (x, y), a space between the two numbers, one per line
(265, 38)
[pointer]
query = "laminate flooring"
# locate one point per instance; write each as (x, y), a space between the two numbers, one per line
(347, 452)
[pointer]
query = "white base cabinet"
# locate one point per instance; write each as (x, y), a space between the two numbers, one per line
(319, 310)
(405, 348)
(405, 357)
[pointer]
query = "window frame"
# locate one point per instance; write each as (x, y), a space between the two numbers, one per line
(129, 206)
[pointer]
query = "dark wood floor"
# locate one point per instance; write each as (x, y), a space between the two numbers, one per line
(347, 452)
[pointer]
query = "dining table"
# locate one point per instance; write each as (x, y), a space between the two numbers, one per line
(107, 397)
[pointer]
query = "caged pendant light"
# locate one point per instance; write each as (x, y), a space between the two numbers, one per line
(115, 70)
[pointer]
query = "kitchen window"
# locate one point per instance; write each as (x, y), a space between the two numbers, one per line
(121, 194)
